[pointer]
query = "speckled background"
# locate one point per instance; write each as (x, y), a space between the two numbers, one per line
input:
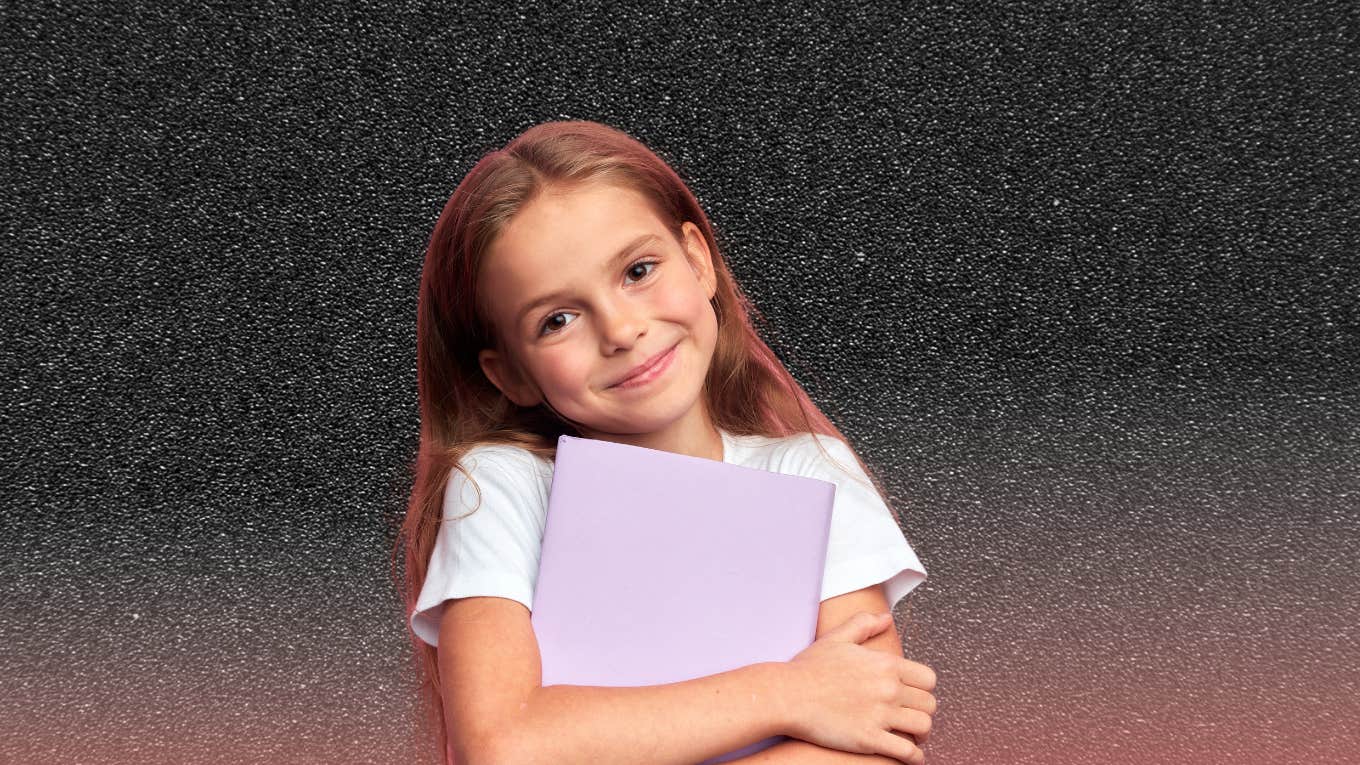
(1080, 280)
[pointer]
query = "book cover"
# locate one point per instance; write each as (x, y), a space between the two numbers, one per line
(659, 567)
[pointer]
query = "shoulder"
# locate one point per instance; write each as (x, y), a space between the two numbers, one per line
(502, 459)
(502, 470)
(780, 453)
(503, 462)
(811, 454)
(806, 443)
(822, 456)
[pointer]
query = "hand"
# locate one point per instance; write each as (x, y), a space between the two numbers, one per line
(856, 699)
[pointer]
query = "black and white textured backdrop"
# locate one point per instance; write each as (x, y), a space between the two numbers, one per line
(1079, 279)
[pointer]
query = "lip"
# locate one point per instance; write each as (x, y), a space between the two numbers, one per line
(647, 370)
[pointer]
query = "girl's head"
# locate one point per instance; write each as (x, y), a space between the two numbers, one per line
(546, 217)
(548, 213)
(584, 210)
(589, 280)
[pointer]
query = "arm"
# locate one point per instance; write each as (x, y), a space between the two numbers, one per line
(658, 724)
(834, 611)
(672, 724)
(797, 752)
(498, 713)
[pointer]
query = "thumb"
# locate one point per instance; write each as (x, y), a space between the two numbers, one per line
(861, 626)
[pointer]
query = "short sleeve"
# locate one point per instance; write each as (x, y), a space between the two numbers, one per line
(866, 545)
(492, 550)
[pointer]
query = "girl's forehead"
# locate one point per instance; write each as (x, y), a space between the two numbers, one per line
(582, 225)
(585, 205)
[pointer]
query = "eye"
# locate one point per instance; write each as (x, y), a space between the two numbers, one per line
(548, 320)
(543, 330)
(641, 263)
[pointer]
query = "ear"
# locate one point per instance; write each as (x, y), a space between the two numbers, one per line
(504, 376)
(700, 259)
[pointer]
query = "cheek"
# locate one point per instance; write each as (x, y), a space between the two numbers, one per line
(696, 312)
(685, 298)
(563, 367)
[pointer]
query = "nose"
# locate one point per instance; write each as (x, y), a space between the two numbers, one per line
(621, 326)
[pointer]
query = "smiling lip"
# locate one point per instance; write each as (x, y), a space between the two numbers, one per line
(642, 369)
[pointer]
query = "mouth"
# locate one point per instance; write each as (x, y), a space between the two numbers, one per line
(648, 370)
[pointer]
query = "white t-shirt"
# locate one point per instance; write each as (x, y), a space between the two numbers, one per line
(495, 549)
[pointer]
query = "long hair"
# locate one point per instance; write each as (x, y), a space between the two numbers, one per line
(747, 389)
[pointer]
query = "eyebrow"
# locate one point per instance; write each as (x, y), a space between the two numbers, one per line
(620, 255)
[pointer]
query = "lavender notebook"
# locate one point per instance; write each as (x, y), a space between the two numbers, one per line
(658, 567)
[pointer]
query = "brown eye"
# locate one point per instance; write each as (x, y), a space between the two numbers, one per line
(549, 323)
(640, 264)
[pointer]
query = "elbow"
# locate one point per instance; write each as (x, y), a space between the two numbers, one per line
(494, 750)
(480, 750)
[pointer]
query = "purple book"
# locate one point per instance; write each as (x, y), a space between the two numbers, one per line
(658, 567)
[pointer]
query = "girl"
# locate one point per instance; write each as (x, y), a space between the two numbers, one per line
(572, 285)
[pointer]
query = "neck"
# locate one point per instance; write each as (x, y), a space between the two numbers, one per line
(694, 435)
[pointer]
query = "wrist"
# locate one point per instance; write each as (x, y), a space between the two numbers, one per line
(783, 695)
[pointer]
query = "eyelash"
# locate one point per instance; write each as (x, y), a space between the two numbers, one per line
(546, 320)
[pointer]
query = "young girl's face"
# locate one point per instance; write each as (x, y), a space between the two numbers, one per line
(586, 283)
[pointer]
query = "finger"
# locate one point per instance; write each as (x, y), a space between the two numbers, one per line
(900, 748)
(914, 722)
(917, 675)
(916, 698)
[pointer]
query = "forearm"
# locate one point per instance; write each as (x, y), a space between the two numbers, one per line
(799, 752)
(679, 723)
